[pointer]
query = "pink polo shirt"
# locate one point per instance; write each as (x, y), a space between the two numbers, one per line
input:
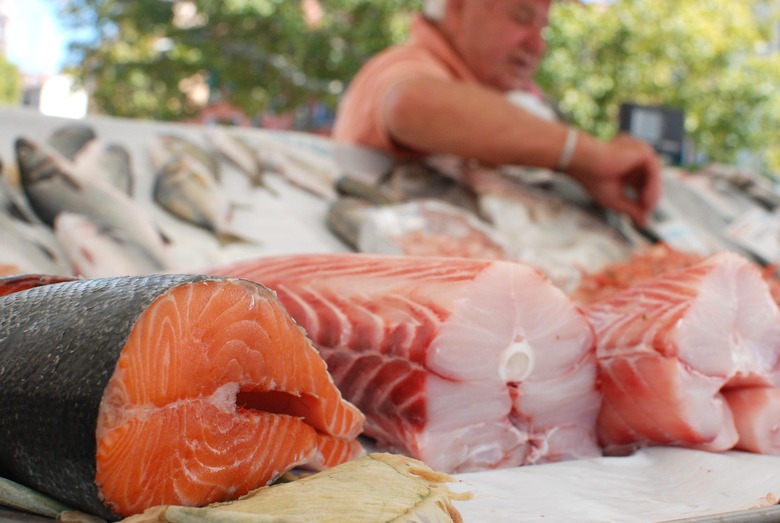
(359, 118)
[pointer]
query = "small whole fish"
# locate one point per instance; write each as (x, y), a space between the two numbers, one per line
(69, 139)
(30, 247)
(97, 250)
(22, 498)
(184, 188)
(418, 180)
(108, 161)
(165, 146)
(52, 187)
(13, 203)
(236, 150)
(345, 218)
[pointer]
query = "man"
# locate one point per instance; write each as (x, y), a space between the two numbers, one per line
(445, 92)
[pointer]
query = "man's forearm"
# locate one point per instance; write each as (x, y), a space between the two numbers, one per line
(470, 121)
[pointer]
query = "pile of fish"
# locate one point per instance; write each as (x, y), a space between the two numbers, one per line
(78, 204)
(446, 208)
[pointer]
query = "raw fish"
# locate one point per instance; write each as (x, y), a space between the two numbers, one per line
(463, 364)
(757, 418)
(52, 186)
(668, 347)
(96, 250)
(119, 394)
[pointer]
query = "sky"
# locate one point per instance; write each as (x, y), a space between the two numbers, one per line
(36, 42)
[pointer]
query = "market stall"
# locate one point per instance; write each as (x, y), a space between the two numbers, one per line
(290, 211)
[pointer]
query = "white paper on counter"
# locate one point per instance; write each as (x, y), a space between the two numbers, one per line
(652, 485)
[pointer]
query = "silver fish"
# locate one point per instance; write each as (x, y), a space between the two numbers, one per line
(418, 180)
(237, 151)
(18, 496)
(69, 139)
(30, 248)
(97, 250)
(548, 231)
(52, 187)
(345, 217)
(108, 161)
(166, 146)
(353, 187)
(13, 203)
(184, 188)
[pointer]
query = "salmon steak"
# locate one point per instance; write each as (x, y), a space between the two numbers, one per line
(119, 394)
(463, 364)
(670, 347)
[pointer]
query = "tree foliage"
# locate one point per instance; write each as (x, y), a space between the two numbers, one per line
(704, 57)
(10, 83)
(264, 53)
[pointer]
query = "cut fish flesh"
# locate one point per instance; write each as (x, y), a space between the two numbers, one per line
(463, 364)
(170, 389)
(757, 418)
(669, 346)
(644, 264)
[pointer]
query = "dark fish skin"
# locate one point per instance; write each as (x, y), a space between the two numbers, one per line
(35, 167)
(59, 345)
(12, 202)
(71, 138)
(345, 217)
(22, 282)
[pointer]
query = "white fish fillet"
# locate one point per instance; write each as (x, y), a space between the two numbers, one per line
(668, 348)
(756, 413)
(463, 364)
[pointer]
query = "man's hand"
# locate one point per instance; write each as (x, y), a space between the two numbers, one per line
(623, 174)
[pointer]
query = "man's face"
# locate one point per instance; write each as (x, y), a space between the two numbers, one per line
(501, 40)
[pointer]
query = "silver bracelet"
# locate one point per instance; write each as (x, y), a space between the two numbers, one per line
(568, 149)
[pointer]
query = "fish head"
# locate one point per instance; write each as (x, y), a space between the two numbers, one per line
(38, 162)
(25, 153)
(33, 161)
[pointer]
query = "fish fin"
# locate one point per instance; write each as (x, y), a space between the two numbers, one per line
(239, 206)
(226, 238)
(164, 237)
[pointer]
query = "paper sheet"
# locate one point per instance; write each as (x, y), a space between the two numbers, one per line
(654, 484)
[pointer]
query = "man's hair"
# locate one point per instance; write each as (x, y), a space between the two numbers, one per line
(434, 9)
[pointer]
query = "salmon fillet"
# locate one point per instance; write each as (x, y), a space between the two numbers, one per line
(463, 364)
(170, 389)
(670, 346)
